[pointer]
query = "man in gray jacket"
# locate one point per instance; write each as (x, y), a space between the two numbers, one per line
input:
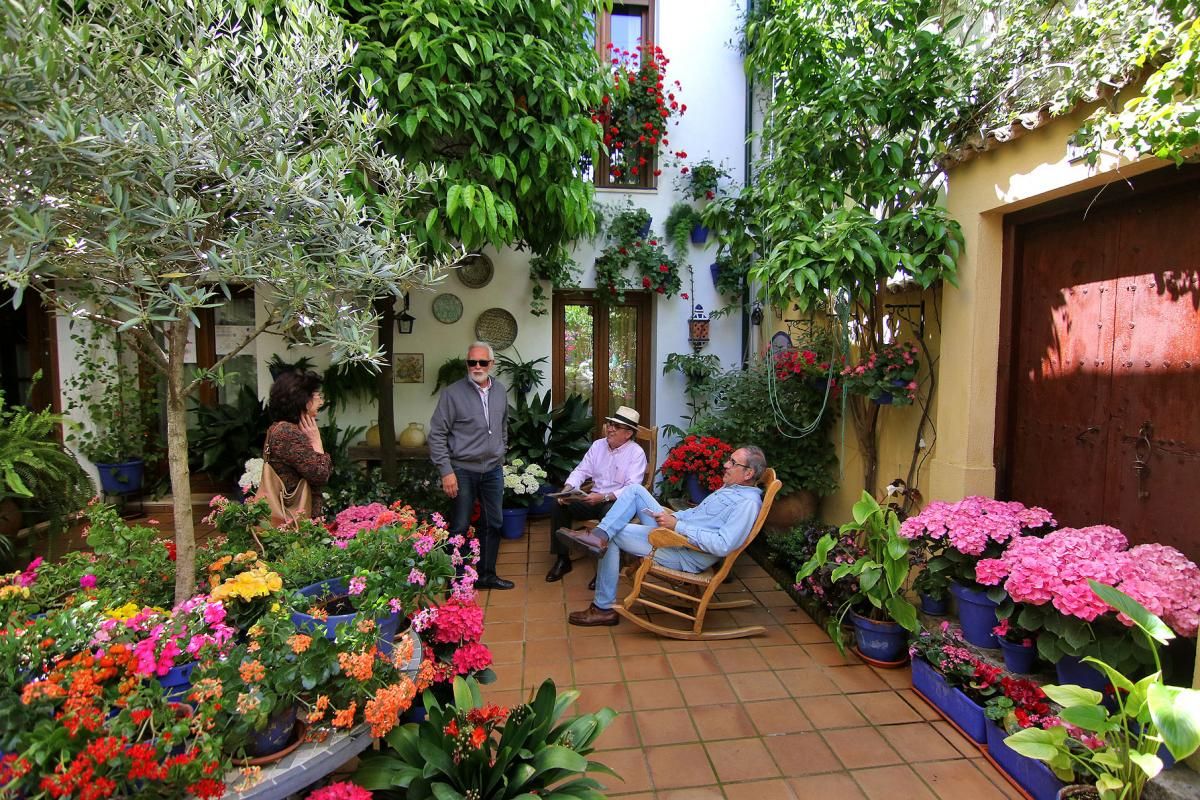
(468, 436)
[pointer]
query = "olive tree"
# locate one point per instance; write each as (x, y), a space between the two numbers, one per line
(153, 155)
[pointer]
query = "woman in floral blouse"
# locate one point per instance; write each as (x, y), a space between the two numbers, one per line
(294, 449)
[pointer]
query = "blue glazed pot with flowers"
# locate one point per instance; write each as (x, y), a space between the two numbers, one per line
(335, 593)
(976, 614)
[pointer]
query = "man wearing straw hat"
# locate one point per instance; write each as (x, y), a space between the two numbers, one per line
(613, 463)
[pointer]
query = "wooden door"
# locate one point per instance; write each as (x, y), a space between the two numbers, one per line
(1102, 371)
(602, 351)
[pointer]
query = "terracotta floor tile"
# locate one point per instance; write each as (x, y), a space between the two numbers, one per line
(593, 647)
(637, 643)
(807, 633)
(807, 682)
(693, 663)
(666, 726)
(546, 629)
(787, 656)
(776, 598)
(545, 611)
(826, 654)
(506, 652)
(774, 789)
(682, 646)
(596, 670)
(746, 659)
(998, 779)
(728, 721)
(856, 679)
(704, 690)
(861, 747)
(511, 597)
(927, 711)
(961, 743)
(741, 760)
(612, 695)
(694, 793)
(630, 765)
(882, 708)
(734, 644)
(895, 678)
(775, 635)
(749, 686)
(890, 783)
(582, 632)
(621, 733)
(503, 614)
(919, 741)
(956, 779)
(547, 650)
(640, 668)
(802, 754)
(831, 711)
(830, 786)
(761, 584)
(536, 672)
(504, 632)
(655, 694)
(753, 615)
(504, 697)
(773, 717)
(679, 766)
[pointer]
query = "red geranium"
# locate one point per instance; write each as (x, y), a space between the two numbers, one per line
(634, 117)
(702, 456)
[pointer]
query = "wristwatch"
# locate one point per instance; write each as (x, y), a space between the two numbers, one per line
(610, 498)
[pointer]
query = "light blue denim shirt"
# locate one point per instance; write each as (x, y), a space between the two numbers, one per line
(720, 523)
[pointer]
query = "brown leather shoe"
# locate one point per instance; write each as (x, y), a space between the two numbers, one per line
(592, 616)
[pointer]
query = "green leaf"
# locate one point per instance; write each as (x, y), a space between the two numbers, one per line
(1044, 745)
(904, 613)
(402, 82)
(559, 757)
(1090, 718)
(1149, 763)
(1175, 712)
(1151, 624)
(1071, 695)
(864, 508)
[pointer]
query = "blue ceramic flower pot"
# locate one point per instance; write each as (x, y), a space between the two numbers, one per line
(1073, 670)
(880, 641)
(956, 706)
(1032, 775)
(976, 614)
(178, 681)
(934, 607)
(334, 587)
(696, 491)
(122, 478)
(644, 231)
(699, 234)
(546, 507)
(1018, 657)
(513, 525)
(275, 736)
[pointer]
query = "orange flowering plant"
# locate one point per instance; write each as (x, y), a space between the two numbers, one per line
(467, 748)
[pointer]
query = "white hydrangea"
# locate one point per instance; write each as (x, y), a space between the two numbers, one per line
(252, 476)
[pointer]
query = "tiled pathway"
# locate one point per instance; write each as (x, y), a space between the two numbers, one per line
(781, 715)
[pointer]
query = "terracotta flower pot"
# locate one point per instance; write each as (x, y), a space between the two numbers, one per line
(786, 512)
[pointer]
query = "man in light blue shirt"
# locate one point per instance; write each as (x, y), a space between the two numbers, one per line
(718, 526)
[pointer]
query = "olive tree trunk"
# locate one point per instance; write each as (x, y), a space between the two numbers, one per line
(177, 459)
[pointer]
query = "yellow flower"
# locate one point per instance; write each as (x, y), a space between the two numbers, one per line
(258, 582)
(124, 612)
(11, 591)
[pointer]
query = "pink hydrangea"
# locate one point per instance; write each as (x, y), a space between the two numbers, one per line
(1166, 582)
(87, 581)
(349, 522)
(472, 658)
(458, 621)
(971, 523)
(342, 790)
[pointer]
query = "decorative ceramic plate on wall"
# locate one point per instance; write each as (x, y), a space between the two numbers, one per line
(476, 272)
(447, 308)
(497, 327)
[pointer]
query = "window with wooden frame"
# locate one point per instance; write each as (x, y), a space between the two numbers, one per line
(626, 27)
(221, 329)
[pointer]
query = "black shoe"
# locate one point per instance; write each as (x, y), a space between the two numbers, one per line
(561, 567)
(592, 584)
(493, 582)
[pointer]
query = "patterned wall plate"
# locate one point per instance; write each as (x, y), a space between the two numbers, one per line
(497, 327)
(447, 308)
(476, 272)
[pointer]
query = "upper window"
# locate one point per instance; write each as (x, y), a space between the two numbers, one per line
(628, 26)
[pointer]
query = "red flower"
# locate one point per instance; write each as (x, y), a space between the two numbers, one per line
(646, 282)
(683, 296)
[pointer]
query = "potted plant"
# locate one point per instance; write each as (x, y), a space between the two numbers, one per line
(960, 535)
(932, 586)
(634, 115)
(1017, 644)
(467, 748)
(522, 491)
(698, 370)
(887, 376)
(558, 269)
(951, 677)
(680, 226)
(702, 180)
(1048, 579)
(121, 411)
(879, 611)
(523, 376)
(1021, 704)
(1120, 749)
(696, 464)
(36, 472)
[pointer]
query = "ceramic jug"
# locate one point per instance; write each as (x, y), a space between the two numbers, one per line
(413, 435)
(373, 436)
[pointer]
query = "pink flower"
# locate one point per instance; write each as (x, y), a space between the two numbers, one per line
(472, 658)
(87, 581)
(438, 520)
(416, 577)
(458, 621)
(28, 577)
(358, 585)
(342, 790)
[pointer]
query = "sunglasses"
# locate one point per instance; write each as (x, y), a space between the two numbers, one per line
(478, 362)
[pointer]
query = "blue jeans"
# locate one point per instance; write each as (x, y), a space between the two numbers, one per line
(630, 537)
(488, 489)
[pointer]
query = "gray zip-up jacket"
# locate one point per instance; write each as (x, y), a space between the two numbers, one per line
(458, 434)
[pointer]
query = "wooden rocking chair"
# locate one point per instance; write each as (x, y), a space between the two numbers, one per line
(705, 583)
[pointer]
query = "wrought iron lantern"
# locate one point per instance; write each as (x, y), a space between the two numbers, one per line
(698, 328)
(404, 320)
